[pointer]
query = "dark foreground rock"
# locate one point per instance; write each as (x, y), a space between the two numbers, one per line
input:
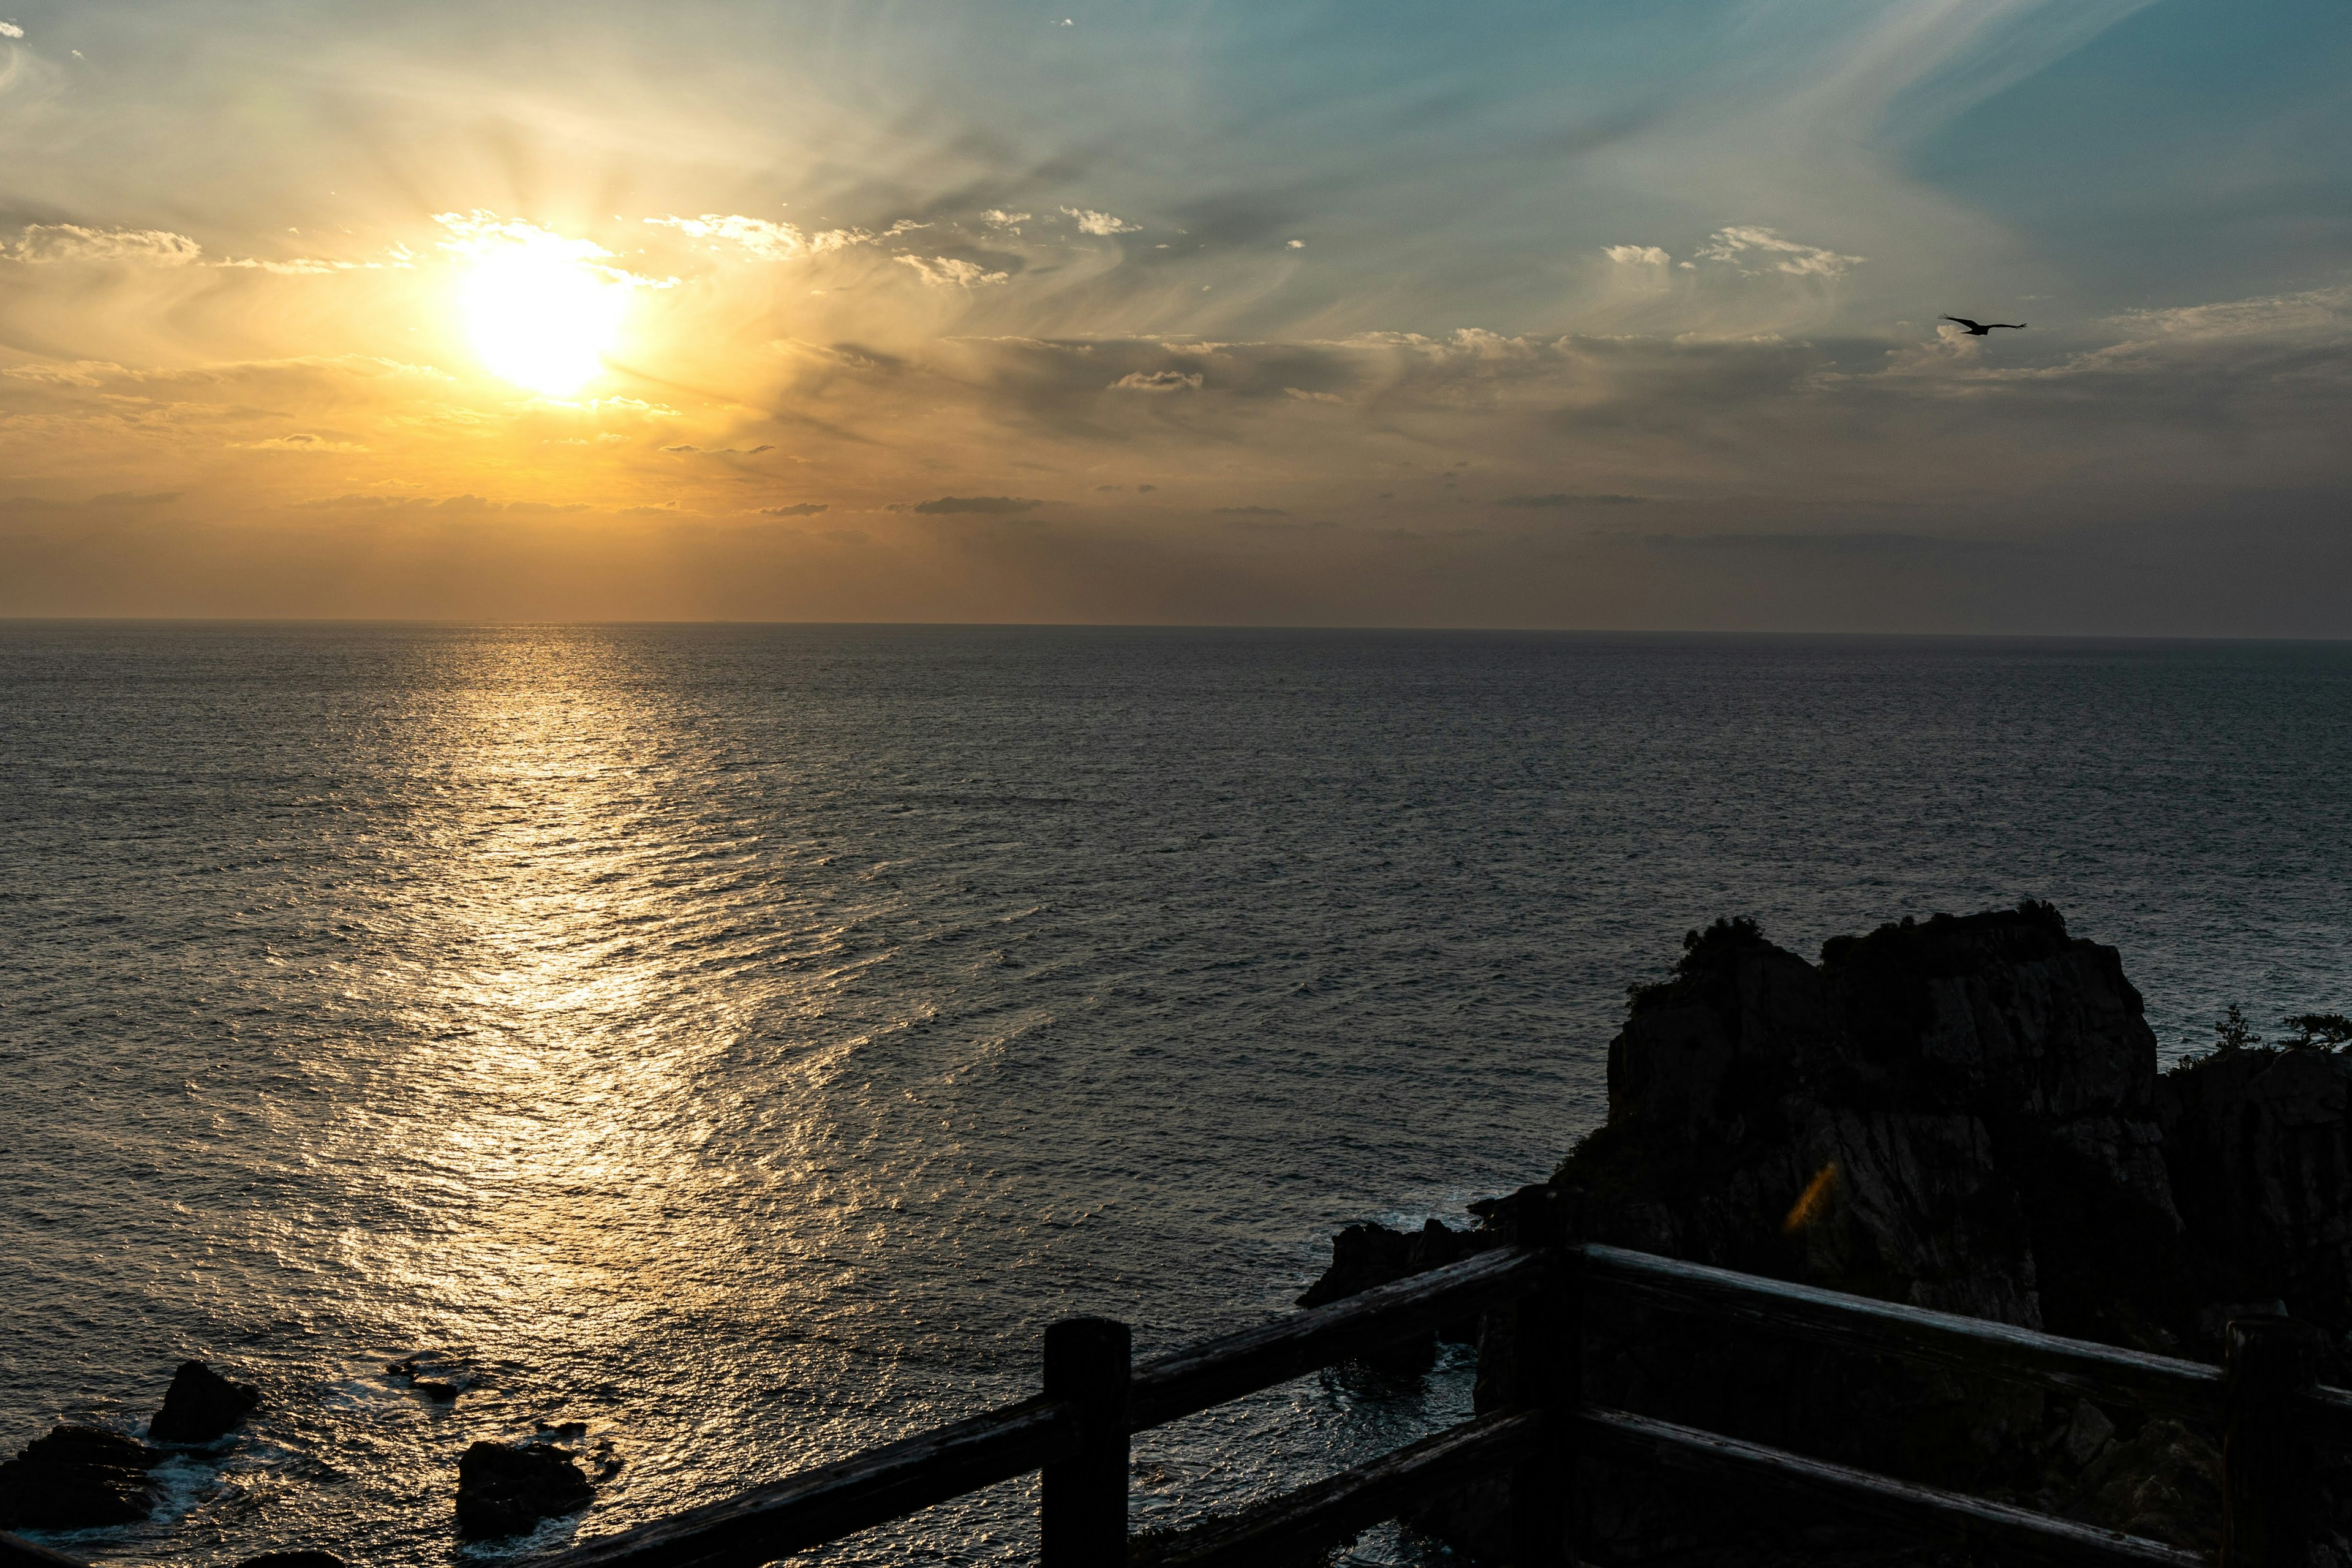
(77, 1478)
(200, 1406)
(1964, 1114)
(505, 1489)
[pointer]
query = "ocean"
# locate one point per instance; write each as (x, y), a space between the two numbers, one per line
(730, 1045)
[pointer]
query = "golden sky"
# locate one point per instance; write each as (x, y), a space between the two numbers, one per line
(1316, 314)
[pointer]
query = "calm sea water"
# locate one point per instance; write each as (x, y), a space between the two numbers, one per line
(741, 1041)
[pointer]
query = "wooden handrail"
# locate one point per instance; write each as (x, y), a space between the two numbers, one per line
(2183, 1388)
(1341, 1506)
(1215, 1370)
(843, 1498)
(1625, 1436)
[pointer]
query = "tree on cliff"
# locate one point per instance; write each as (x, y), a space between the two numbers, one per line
(2316, 1031)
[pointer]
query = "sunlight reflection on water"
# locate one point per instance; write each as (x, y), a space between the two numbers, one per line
(741, 1041)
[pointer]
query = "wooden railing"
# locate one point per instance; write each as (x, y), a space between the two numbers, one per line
(2266, 1402)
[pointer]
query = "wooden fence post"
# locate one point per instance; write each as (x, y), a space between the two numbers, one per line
(2266, 1471)
(1546, 1367)
(1082, 1520)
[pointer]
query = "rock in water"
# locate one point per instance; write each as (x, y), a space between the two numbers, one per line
(1365, 1256)
(77, 1478)
(1362, 1256)
(200, 1406)
(504, 1489)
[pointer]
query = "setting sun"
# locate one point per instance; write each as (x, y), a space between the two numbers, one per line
(543, 311)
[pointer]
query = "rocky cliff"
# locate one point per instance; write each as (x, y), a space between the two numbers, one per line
(1965, 1114)
(1959, 1114)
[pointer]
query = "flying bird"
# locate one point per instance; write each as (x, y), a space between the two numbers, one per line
(1979, 328)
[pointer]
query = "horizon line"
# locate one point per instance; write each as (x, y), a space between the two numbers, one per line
(1693, 632)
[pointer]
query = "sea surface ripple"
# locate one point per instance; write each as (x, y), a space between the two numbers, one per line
(741, 1041)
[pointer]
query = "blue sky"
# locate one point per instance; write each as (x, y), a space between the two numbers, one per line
(1582, 315)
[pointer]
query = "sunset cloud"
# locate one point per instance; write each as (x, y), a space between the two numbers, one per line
(50, 244)
(1740, 245)
(1159, 380)
(951, 272)
(766, 240)
(983, 505)
(1101, 223)
(304, 443)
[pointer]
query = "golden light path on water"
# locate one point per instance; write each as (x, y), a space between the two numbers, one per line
(550, 1123)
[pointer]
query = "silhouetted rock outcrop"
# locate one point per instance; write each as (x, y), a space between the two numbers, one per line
(505, 1489)
(1963, 1114)
(1957, 1113)
(200, 1406)
(77, 1478)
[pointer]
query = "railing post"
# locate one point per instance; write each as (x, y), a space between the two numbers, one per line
(1082, 1522)
(2266, 1476)
(1547, 1368)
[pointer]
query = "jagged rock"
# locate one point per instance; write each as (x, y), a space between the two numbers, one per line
(1968, 1102)
(504, 1489)
(200, 1406)
(1364, 1257)
(77, 1478)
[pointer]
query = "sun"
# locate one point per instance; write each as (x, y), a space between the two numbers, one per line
(542, 321)
(542, 310)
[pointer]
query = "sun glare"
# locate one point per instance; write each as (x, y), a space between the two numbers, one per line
(542, 310)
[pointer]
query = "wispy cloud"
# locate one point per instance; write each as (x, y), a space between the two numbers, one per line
(300, 443)
(1090, 222)
(950, 271)
(765, 238)
(48, 244)
(1637, 255)
(982, 505)
(1740, 245)
(1159, 380)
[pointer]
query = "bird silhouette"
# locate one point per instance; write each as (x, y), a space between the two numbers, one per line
(1979, 328)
